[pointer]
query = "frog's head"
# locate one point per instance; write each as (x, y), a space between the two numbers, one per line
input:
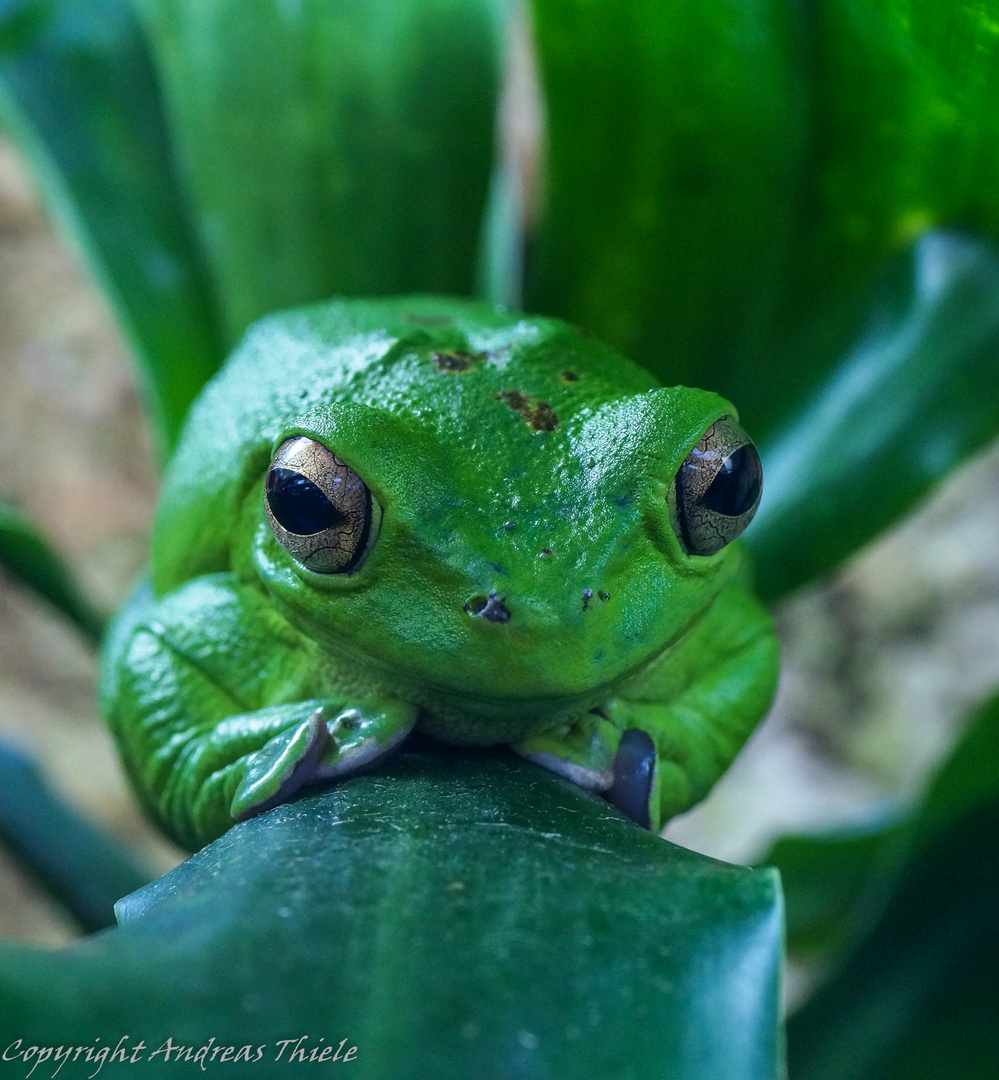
(509, 547)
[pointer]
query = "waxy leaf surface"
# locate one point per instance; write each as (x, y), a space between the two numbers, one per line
(452, 914)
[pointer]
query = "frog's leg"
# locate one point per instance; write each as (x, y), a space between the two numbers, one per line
(669, 732)
(221, 709)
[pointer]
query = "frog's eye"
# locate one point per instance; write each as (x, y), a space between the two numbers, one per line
(718, 488)
(319, 509)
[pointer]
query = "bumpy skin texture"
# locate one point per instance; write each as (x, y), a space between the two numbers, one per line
(526, 584)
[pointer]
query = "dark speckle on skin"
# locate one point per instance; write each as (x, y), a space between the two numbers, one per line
(546, 551)
(543, 417)
(515, 399)
(605, 596)
(491, 607)
(569, 376)
(587, 597)
(509, 525)
(538, 415)
(456, 361)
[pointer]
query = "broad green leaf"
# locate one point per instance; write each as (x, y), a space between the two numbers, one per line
(725, 181)
(452, 915)
(331, 148)
(917, 1000)
(837, 886)
(77, 90)
(83, 869)
(675, 134)
(26, 556)
(917, 394)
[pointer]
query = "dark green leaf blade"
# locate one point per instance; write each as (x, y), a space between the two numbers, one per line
(674, 139)
(27, 556)
(913, 998)
(917, 395)
(917, 1000)
(79, 866)
(332, 148)
(453, 915)
(77, 89)
(726, 181)
(836, 885)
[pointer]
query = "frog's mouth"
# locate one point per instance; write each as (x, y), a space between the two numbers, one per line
(456, 715)
(481, 722)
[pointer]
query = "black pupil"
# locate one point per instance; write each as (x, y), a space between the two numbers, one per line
(737, 486)
(297, 504)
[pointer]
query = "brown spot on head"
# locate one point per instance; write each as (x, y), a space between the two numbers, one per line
(538, 415)
(455, 361)
(515, 399)
(569, 376)
(542, 417)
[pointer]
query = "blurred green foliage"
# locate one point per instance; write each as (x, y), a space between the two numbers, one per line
(79, 866)
(905, 916)
(28, 557)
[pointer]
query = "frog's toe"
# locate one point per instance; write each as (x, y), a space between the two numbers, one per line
(361, 734)
(277, 771)
(633, 786)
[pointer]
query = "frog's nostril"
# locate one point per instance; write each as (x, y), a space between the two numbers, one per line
(491, 607)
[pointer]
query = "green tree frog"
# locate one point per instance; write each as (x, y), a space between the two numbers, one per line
(434, 513)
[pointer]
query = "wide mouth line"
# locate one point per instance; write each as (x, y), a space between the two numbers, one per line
(558, 703)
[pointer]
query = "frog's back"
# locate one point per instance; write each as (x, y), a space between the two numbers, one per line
(405, 355)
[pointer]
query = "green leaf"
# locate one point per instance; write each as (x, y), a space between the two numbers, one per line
(79, 866)
(917, 395)
(332, 148)
(920, 896)
(455, 914)
(77, 90)
(725, 181)
(917, 1000)
(836, 885)
(27, 557)
(674, 135)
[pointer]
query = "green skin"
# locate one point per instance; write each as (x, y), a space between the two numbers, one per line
(236, 676)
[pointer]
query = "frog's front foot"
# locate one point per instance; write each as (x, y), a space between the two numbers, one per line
(323, 747)
(633, 785)
(279, 768)
(600, 754)
(361, 734)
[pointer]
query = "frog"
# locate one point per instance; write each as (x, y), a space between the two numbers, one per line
(433, 514)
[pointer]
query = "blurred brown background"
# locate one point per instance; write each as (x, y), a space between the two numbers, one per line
(881, 666)
(75, 455)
